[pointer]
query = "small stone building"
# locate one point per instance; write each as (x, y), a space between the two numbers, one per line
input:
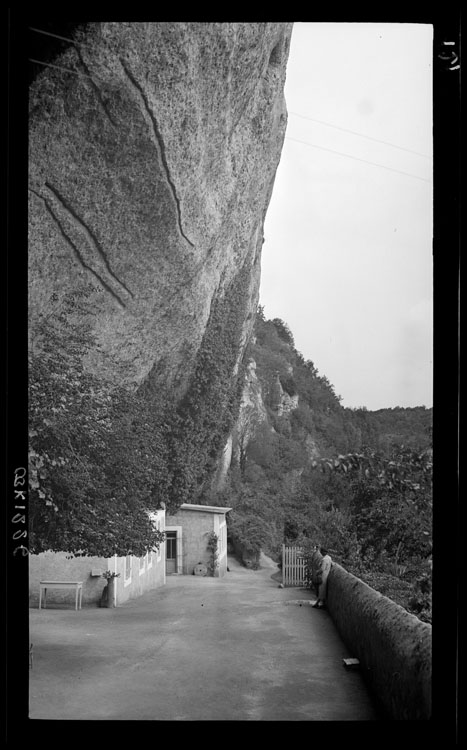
(137, 574)
(187, 533)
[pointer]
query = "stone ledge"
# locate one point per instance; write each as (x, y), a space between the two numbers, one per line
(393, 646)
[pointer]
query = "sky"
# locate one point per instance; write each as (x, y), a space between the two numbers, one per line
(347, 258)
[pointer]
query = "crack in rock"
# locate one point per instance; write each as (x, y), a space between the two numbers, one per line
(90, 236)
(96, 89)
(75, 249)
(159, 144)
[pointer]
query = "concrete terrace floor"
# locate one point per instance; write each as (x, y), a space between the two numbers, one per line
(238, 648)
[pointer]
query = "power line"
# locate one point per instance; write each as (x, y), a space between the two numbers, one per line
(304, 117)
(297, 114)
(361, 135)
(289, 138)
(56, 36)
(356, 158)
(58, 67)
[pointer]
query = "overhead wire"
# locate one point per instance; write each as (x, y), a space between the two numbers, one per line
(63, 39)
(361, 135)
(357, 158)
(305, 117)
(57, 36)
(59, 67)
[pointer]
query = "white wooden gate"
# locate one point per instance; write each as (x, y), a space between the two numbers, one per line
(293, 566)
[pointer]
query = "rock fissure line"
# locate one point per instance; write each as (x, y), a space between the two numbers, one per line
(239, 118)
(96, 89)
(160, 145)
(229, 75)
(75, 249)
(89, 234)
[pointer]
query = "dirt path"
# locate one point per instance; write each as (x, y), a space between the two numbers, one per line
(239, 648)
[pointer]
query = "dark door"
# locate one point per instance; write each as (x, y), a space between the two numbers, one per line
(171, 551)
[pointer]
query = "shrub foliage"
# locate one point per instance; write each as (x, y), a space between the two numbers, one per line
(355, 481)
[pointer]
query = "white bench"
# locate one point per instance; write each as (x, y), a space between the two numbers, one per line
(77, 586)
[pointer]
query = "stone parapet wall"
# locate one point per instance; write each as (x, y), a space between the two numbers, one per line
(393, 646)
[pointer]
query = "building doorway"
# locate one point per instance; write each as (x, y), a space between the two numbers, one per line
(171, 552)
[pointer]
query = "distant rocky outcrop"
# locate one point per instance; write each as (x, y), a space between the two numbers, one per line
(286, 402)
(153, 152)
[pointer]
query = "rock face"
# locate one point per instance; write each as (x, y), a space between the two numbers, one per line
(252, 409)
(286, 403)
(151, 170)
(252, 413)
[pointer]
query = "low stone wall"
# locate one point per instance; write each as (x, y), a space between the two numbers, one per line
(394, 647)
(58, 566)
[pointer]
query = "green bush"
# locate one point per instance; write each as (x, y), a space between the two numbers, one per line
(97, 460)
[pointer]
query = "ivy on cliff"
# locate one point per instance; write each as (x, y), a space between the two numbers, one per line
(97, 460)
(208, 411)
(103, 457)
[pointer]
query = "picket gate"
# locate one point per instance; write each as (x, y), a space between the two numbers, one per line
(293, 566)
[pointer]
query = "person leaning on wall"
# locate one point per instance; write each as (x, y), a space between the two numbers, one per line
(322, 578)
